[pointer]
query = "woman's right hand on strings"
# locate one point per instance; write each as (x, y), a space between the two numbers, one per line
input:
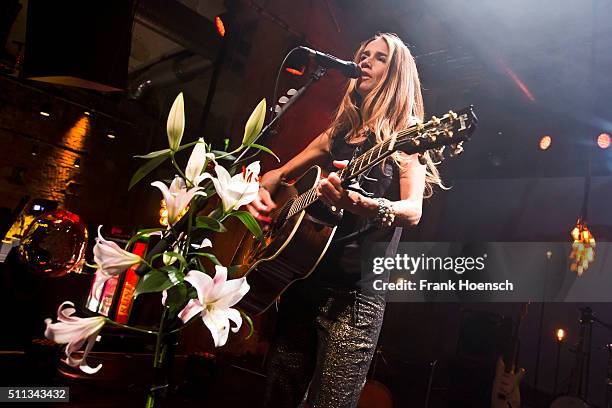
(261, 206)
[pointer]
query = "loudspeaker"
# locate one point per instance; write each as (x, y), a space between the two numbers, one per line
(79, 43)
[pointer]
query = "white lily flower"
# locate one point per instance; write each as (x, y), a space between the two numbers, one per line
(75, 331)
(197, 161)
(175, 126)
(177, 197)
(216, 296)
(111, 261)
(238, 190)
(204, 244)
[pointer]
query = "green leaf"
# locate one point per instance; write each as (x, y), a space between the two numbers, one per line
(157, 153)
(141, 234)
(209, 223)
(175, 275)
(255, 123)
(176, 298)
(185, 146)
(146, 169)
(154, 281)
(265, 149)
(224, 155)
(249, 222)
(210, 256)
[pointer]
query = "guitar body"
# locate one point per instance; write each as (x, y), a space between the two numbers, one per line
(375, 395)
(569, 402)
(294, 245)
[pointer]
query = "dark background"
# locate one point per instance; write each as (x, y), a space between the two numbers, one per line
(530, 68)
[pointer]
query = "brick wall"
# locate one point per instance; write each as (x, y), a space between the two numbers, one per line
(97, 189)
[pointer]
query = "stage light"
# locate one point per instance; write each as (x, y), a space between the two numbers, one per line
(293, 71)
(560, 335)
(45, 114)
(220, 26)
(35, 150)
(86, 113)
(545, 142)
(77, 162)
(111, 134)
(603, 141)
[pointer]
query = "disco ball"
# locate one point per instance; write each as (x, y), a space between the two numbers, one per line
(54, 244)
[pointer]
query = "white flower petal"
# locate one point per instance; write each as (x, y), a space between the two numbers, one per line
(192, 308)
(74, 332)
(201, 282)
(196, 162)
(235, 317)
(218, 325)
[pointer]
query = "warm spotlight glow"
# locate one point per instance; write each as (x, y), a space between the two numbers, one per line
(45, 114)
(545, 142)
(220, 26)
(560, 334)
(293, 71)
(603, 141)
(163, 213)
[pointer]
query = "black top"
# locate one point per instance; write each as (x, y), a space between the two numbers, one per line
(346, 262)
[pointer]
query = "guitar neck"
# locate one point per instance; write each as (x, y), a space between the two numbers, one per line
(451, 129)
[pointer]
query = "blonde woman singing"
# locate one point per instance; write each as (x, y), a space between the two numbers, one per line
(328, 325)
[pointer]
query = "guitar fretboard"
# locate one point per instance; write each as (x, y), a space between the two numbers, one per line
(364, 162)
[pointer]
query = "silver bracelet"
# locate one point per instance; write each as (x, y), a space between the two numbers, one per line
(385, 215)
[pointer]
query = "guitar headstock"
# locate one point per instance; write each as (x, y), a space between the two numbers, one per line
(452, 130)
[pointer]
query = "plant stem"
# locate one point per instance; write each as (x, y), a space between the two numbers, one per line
(178, 168)
(160, 335)
(158, 360)
(124, 326)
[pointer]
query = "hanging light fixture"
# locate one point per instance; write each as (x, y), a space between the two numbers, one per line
(583, 247)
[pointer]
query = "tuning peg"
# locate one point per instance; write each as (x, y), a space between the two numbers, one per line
(448, 133)
(457, 149)
(422, 159)
(452, 115)
(435, 120)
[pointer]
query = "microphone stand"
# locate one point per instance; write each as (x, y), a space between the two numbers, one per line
(171, 235)
(267, 130)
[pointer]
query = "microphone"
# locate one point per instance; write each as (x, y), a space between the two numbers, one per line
(348, 68)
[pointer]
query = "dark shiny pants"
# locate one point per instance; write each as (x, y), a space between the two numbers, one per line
(324, 343)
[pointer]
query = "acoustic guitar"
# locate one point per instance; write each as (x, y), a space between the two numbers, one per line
(302, 226)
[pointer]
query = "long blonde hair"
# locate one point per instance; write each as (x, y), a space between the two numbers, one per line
(394, 104)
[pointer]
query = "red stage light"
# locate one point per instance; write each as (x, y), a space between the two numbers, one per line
(220, 26)
(545, 142)
(603, 140)
(293, 71)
